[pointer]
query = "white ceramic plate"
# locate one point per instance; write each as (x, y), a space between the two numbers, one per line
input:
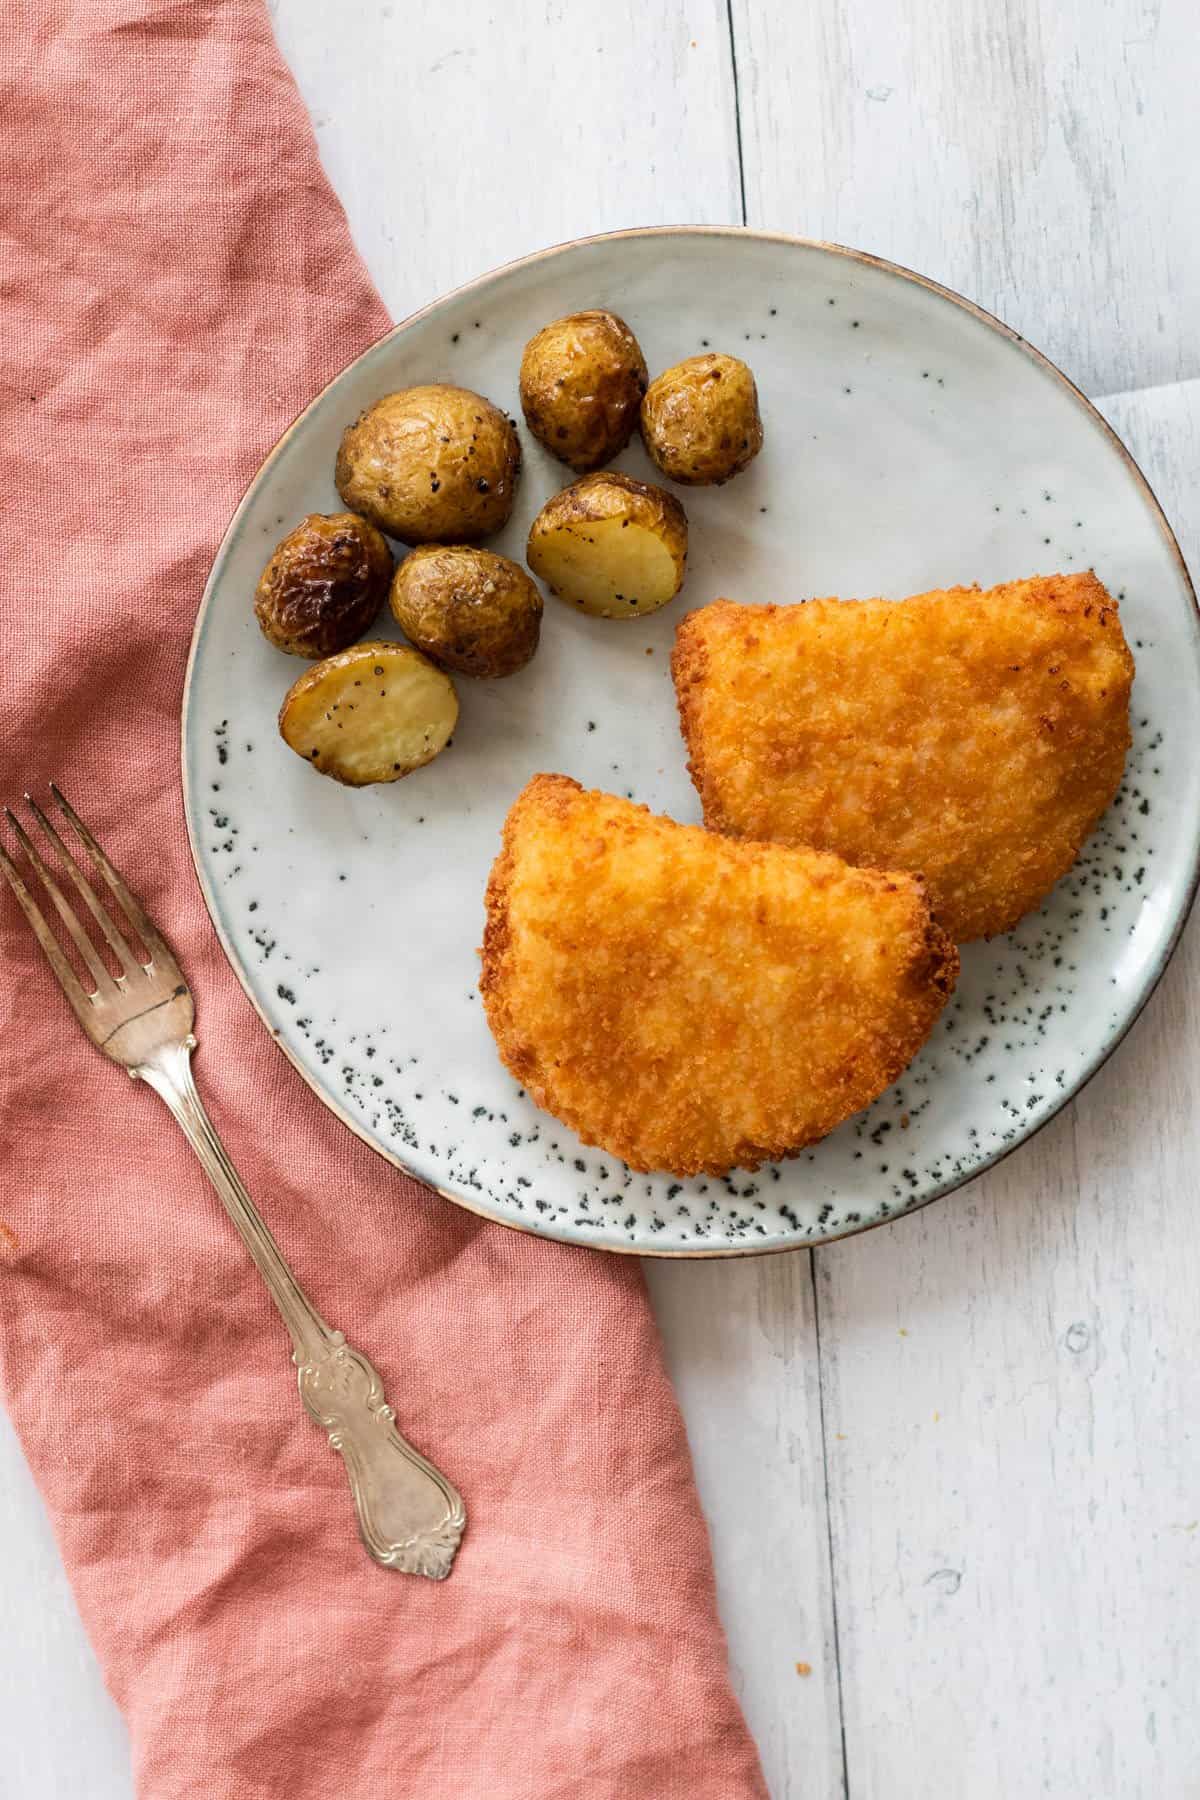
(911, 442)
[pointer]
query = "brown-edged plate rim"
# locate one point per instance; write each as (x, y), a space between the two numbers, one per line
(738, 232)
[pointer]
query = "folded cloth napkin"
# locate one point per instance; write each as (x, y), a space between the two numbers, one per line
(177, 282)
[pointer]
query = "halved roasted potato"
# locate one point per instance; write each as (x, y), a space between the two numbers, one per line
(372, 713)
(610, 545)
(700, 420)
(468, 609)
(582, 381)
(431, 465)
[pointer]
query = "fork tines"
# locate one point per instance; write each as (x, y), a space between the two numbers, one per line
(128, 909)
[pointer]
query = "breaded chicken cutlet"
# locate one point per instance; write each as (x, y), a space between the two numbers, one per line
(973, 737)
(690, 1003)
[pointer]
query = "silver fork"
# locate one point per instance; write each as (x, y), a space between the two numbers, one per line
(409, 1515)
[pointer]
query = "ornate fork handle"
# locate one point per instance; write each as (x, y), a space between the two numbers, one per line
(409, 1515)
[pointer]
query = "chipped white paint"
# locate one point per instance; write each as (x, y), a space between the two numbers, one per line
(1005, 1385)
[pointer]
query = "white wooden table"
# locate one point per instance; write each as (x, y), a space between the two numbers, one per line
(952, 1467)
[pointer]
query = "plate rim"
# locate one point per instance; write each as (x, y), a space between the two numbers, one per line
(871, 260)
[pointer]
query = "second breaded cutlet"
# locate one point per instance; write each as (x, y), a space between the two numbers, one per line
(690, 1003)
(975, 737)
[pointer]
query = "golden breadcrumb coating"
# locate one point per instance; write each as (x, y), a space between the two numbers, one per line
(973, 737)
(693, 1004)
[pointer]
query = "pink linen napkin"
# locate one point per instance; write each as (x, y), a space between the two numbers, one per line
(177, 282)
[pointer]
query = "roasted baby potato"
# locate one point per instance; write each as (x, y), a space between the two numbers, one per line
(582, 381)
(431, 465)
(611, 546)
(700, 421)
(468, 610)
(372, 713)
(324, 584)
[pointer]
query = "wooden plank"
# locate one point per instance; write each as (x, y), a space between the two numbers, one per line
(459, 137)
(741, 1347)
(1011, 1388)
(1037, 155)
(60, 1733)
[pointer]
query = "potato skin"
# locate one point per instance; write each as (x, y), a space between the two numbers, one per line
(468, 610)
(582, 382)
(700, 420)
(428, 465)
(608, 499)
(611, 494)
(323, 585)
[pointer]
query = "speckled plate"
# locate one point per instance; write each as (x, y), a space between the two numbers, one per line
(911, 442)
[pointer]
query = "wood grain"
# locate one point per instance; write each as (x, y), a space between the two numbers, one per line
(1037, 155)
(459, 137)
(61, 1736)
(742, 1351)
